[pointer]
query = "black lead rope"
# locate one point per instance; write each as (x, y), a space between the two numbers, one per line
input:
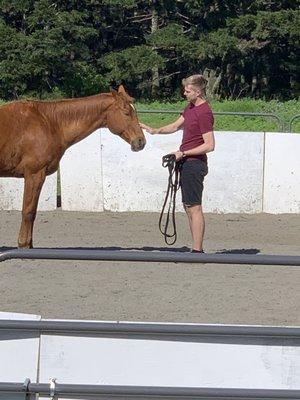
(174, 167)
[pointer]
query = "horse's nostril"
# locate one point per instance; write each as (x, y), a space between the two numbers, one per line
(138, 144)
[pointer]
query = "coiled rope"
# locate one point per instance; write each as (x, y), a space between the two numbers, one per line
(169, 161)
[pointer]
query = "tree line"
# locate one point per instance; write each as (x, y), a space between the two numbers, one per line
(71, 48)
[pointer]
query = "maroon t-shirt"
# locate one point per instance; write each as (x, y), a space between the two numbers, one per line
(197, 121)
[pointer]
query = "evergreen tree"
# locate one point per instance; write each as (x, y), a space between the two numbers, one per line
(80, 47)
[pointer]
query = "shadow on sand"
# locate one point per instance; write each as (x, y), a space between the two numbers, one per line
(183, 249)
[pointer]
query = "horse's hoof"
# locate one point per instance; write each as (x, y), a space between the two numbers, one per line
(24, 246)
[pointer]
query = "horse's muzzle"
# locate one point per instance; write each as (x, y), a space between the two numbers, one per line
(138, 144)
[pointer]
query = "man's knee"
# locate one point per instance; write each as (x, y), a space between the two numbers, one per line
(193, 209)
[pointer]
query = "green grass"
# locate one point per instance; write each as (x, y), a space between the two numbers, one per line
(284, 110)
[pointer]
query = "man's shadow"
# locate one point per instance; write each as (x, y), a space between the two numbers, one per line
(183, 249)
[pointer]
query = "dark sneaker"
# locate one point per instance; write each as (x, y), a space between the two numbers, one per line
(197, 251)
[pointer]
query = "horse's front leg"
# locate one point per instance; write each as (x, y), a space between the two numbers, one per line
(33, 184)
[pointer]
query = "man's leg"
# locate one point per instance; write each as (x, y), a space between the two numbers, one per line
(197, 225)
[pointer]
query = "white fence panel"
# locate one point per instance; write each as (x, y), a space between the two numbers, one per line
(249, 172)
(19, 354)
(218, 362)
(282, 173)
(135, 181)
(211, 361)
(234, 183)
(11, 194)
(81, 176)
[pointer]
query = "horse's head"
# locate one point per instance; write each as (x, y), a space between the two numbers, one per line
(122, 120)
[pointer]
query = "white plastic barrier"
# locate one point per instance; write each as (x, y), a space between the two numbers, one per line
(81, 176)
(282, 173)
(217, 360)
(137, 181)
(249, 172)
(208, 362)
(234, 183)
(19, 354)
(11, 194)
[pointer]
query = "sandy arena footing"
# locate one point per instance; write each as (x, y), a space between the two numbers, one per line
(167, 292)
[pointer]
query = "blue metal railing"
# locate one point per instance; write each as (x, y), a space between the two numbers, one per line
(110, 391)
(150, 256)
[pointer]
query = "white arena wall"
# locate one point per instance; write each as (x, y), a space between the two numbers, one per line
(207, 361)
(11, 194)
(249, 172)
(282, 173)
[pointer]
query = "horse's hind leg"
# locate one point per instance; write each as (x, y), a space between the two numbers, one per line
(33, 184)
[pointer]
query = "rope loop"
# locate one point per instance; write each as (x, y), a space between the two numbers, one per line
(169, 161)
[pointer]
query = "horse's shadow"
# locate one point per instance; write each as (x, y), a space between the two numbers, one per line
(238, 251)
(183, 249)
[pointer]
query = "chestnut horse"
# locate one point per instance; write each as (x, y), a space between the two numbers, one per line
(35, 134)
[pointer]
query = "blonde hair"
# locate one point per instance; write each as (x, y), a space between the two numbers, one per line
(198, 81)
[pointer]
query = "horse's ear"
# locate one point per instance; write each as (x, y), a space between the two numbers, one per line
(122, 89)
(116, 96)
(114, 93)
(123, 92)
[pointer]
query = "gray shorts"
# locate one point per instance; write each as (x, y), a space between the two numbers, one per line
(191, 181)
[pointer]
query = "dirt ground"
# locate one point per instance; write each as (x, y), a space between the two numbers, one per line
(168, 292)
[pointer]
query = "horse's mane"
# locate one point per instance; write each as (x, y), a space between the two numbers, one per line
(71, 108)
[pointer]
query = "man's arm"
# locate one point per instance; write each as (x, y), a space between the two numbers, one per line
(206, 147)
(171, 128)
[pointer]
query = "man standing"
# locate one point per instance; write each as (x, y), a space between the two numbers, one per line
(198, 139)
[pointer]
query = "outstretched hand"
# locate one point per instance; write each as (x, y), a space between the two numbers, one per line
(150, 130)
